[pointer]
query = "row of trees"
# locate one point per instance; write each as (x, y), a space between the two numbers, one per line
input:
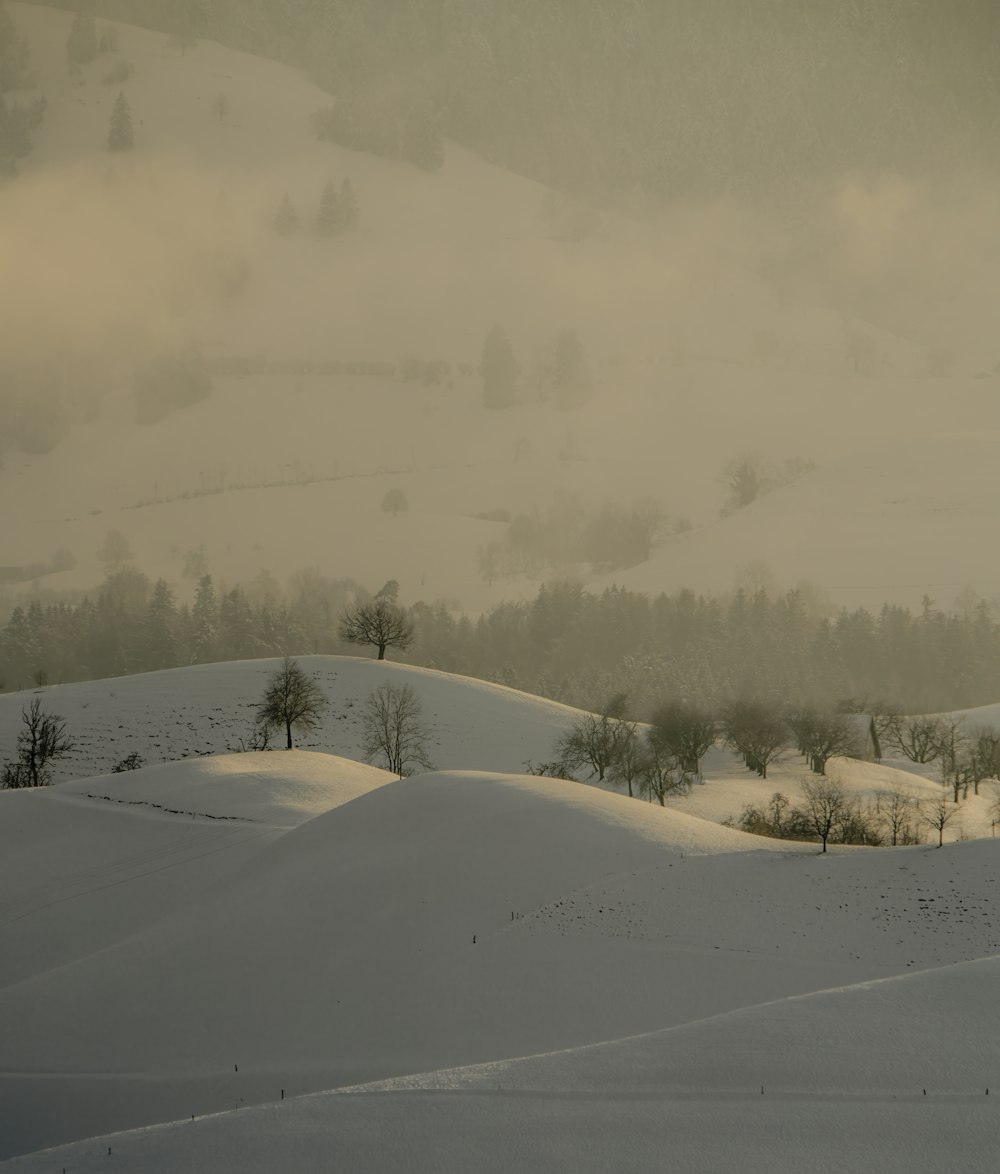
(666, 755)
(566, 643)
(136, 626)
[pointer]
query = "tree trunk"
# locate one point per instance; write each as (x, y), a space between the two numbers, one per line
(288, 731)
(381, 652)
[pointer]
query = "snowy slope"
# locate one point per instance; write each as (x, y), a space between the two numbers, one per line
(457, 918)
(208, 709)
(179, 236)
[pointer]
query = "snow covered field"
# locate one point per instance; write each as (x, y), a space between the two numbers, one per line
(199, 937)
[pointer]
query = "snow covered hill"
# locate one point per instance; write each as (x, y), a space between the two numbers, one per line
(452, 919)
(207, 933)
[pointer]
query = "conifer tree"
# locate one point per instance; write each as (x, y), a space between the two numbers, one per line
(286, 219)
(13, 52)
(121, 136)
(204, 622)
(328, 220)
(81, 45)
(348, 206)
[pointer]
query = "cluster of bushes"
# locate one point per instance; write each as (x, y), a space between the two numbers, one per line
(829, 815)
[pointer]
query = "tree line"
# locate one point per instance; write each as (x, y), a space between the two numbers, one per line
(607, 97)
(567, 644)
(663, 758)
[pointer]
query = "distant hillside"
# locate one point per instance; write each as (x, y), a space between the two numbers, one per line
(674, 99)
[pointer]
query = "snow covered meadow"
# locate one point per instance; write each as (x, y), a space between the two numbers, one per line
(297, 958)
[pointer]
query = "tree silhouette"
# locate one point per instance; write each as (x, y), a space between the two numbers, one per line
(394, 729)
(379, 623)
(292, 698)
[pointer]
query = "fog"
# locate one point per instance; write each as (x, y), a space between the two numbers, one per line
(184, 367)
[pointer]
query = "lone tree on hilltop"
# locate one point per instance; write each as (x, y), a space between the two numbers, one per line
(379, 623)
(393, 728)
(121, 136)
(292, 698)
(42, 740)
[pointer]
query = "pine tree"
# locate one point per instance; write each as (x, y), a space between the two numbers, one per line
(286, 219)
(121, 136)
(499, 370)
(81, 45)
(348, 206)
(13, 52)
(204, 622)
(328, 220)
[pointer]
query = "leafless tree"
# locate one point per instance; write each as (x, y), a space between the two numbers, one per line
(292, 698)
(379, 623)
(661, 774)
(627, 764)
(916, 738)
(42, 740)
(394, 730)
(685, 731)
(756, 730)
(594, 741)
(895, 810)
(938, 814)
(827, 804)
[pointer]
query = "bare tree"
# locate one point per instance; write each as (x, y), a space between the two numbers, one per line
(292, 698)
(826, 805)
(595, 741)
(756, 730)
(379, 623)
(661, 774)
(394, 730)
(42, 740)
(685, 731)
(938, 814)
(916, 738)
(627, 765)
(895, 810)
